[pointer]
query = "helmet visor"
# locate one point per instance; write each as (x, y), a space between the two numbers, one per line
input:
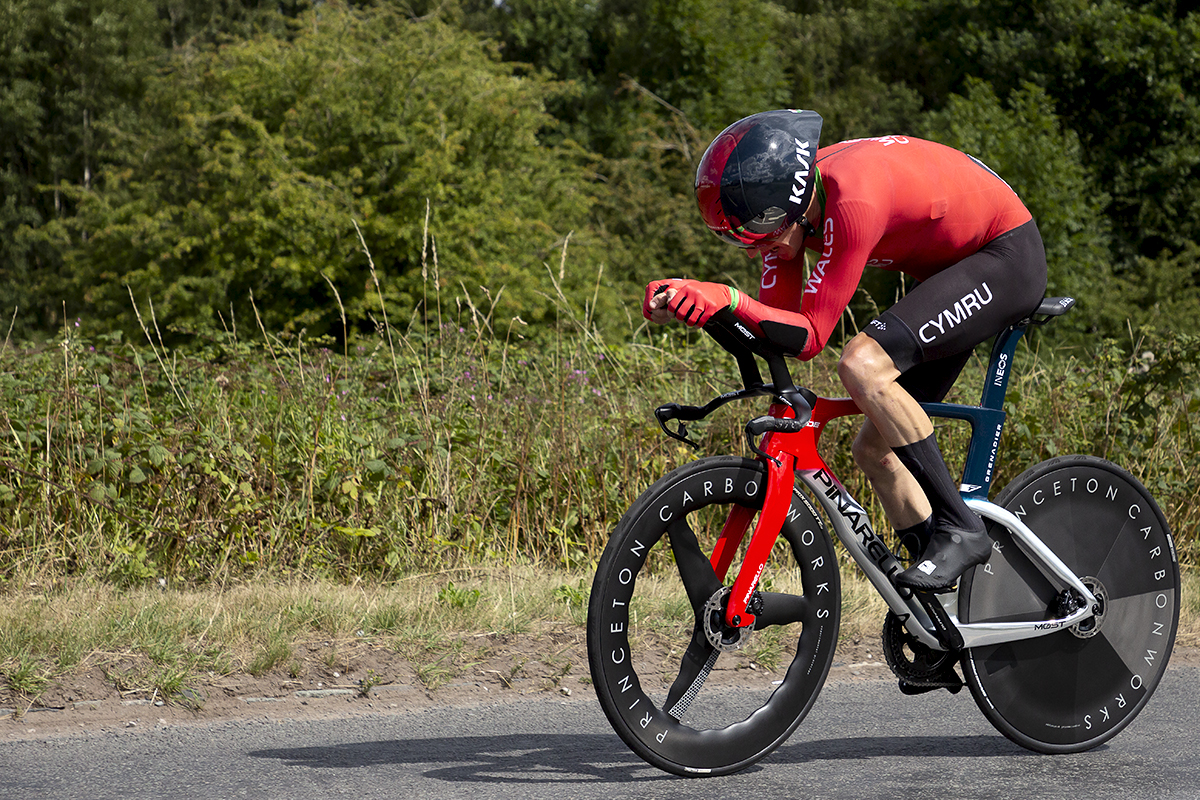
(745, 239)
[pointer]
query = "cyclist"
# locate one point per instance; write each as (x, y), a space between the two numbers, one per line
(897, 203)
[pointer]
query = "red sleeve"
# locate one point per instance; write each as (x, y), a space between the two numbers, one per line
(904, 204)
(816, 304)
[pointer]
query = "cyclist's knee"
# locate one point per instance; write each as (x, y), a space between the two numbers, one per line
(865, 366)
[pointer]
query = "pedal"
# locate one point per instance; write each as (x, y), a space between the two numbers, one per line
(950, 682)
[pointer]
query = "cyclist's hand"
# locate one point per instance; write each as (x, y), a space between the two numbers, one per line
(658, 294)
(693, 302)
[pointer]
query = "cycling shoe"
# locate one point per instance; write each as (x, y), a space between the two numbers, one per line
(949, 554)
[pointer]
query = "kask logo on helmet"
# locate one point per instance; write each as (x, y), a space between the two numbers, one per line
(801, 175)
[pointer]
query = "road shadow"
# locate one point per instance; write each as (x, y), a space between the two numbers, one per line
(587, 758)
(511, 758)
(899, 747)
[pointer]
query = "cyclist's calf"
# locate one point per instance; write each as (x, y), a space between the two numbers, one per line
(903, 501)
(872, 454)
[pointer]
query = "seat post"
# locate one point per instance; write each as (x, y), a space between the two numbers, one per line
(986, 419)
(1000, 365)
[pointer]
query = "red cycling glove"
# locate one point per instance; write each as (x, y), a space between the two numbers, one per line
(694, 301)
(653, 288)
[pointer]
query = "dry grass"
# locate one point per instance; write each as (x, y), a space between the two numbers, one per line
(162, 639)
(151, 637)
(1189, 612)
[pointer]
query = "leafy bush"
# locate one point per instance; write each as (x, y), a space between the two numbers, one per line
(251, 161)
(445, 446)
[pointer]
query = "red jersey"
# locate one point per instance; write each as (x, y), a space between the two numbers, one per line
(893, 202)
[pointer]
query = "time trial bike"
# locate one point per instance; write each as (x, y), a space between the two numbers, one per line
(1062, 635)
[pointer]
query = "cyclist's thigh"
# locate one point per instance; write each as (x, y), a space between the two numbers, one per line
(930, 381)
(965, 304)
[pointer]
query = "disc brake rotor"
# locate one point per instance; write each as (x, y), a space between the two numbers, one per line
(719, 635)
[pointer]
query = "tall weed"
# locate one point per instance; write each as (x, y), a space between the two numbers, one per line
(450, 442)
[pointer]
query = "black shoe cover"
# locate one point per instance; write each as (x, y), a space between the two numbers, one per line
(950, 553)
(915, 539)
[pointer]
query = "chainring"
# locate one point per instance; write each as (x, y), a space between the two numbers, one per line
(912, 661)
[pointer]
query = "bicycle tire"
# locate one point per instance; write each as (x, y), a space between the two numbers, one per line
(1074, 689)
(719, 732)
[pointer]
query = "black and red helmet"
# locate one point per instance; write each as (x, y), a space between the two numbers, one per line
(758, 175)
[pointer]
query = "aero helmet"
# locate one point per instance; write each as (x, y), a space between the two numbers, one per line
(758, 175)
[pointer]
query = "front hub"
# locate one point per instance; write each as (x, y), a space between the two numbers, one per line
(719, 634)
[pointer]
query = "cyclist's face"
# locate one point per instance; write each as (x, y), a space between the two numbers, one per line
(786, 246)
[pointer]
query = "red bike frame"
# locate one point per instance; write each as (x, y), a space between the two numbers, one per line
(785, 453)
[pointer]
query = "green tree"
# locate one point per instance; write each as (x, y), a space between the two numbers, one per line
(684, 53)
(70, 71)
(1024, 142)
(1124, 76)
(1120, 76)
(188, 22)
(688, 54)
(837, 56)
(648, 86)
(255, 158)
(1160, 296)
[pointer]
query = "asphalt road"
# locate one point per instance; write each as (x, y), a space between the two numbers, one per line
(862, 740)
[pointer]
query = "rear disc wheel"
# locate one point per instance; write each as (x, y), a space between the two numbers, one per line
(1071, 690)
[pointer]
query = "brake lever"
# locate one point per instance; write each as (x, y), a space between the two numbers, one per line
(760, 426)
(669, 412)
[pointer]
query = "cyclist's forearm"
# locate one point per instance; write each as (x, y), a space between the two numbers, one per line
(694, 302)
(756, 312)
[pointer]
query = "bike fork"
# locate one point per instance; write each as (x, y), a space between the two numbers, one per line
(781, 480)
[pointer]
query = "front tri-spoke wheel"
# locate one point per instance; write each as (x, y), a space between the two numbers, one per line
(686, 692)
(1077, 687)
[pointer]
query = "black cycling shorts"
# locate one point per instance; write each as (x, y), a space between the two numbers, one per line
(931, 332)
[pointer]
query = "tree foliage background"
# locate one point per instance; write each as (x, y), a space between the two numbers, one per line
(213, 156)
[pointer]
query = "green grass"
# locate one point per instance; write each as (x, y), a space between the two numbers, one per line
(170, 641)
(401, 487)
(429, 448)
